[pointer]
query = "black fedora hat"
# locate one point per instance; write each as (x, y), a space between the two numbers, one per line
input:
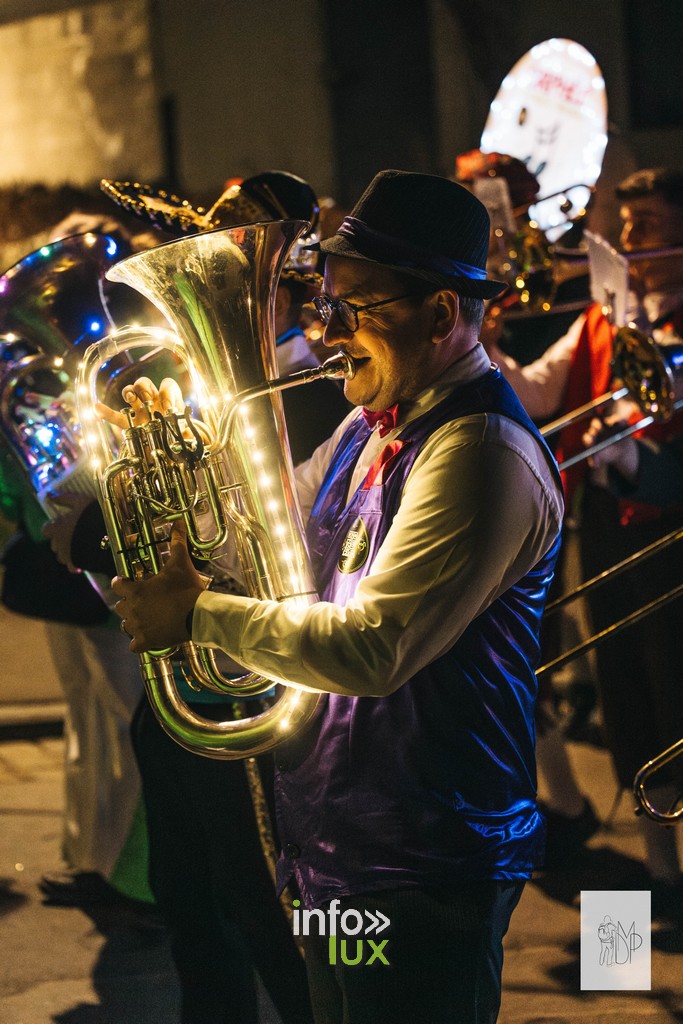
(423, 225)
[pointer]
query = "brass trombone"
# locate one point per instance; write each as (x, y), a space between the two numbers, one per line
(642, 776)
(553, 266)
(652, 376)
(590, 585)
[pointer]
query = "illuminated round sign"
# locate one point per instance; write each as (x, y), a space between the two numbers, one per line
(551, 113)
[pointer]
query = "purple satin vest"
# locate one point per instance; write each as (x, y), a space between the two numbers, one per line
(435, 783)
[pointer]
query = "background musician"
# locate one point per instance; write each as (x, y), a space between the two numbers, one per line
(103, 845)
(631, 495)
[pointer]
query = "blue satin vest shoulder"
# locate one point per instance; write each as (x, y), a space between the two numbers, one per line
(435, 783)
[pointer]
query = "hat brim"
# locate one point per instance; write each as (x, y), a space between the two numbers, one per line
(338, 245)
(299, 276)
(157, 207)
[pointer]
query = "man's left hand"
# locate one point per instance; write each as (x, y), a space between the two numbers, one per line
(154, 610)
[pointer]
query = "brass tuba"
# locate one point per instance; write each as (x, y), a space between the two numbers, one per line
(53, 305)
(224, 470)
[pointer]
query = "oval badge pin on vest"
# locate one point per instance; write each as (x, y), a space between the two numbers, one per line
(355, 548)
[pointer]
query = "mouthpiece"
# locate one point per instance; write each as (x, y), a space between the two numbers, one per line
(339, 366)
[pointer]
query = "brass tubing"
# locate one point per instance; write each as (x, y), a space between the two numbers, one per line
(610, 631)
(615, 570)
(607, 442)
(581, 411)
(642, 776)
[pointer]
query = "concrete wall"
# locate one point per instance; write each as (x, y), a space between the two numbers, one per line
(245, 86)
(310, 86)
(78, 96)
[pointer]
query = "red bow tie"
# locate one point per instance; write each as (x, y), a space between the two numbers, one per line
(385, 418)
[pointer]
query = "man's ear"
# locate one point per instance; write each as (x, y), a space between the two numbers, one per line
(446, 307)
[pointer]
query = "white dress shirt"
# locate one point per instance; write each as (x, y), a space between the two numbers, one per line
(479, 509)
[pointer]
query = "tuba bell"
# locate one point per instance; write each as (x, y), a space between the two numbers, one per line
(225, 469)
(52, 307)
(53, 304)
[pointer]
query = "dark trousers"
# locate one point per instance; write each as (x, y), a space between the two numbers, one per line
(444, 952)
(211, 882)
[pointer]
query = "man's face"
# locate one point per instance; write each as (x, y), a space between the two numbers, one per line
(392, 349)
(651, 223)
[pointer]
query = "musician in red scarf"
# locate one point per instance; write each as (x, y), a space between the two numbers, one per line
(629, 495)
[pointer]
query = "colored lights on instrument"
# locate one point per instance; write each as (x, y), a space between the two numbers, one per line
(45, 436)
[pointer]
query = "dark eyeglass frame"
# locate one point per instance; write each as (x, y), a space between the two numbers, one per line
(348, 311)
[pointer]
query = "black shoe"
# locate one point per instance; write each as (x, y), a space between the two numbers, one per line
(566, 836)
(76, 888)
(88, 889)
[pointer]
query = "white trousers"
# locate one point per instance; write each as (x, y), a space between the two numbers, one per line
(102, 686)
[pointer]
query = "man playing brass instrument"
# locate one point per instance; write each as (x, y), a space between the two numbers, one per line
(434, 514)
(631, 497)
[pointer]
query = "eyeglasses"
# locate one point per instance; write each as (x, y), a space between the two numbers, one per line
(348, 311)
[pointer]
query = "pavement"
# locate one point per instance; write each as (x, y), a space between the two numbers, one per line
(69, 966)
